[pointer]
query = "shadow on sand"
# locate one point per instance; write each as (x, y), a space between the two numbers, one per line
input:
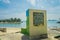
(24, 37)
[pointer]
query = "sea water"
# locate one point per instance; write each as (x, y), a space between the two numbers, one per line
(13, 25)
(53, 24)
(50, 24)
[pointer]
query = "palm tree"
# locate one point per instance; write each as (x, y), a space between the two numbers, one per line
(15, 19)
(18, 20)
(3, 20)
(0, 20)
(11, 19)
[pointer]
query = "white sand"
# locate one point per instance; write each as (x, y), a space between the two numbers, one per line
(52, 34)
(11, 34)
(10, 30)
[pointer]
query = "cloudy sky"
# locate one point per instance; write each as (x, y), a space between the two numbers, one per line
(17, 8)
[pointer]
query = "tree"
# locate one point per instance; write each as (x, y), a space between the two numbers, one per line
(0, 20)
(11, 19)
(18, 20)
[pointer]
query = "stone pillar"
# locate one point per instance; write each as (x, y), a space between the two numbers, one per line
(36, 24)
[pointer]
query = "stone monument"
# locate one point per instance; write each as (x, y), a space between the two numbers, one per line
(36, 24)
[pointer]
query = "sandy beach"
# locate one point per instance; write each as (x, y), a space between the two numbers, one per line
(11, 34)
(14, 34)
(10, 30)
(52, 34)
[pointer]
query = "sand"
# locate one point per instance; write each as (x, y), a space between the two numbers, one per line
(52, 34)
(10, 30)
(14, 34)
(11, 34)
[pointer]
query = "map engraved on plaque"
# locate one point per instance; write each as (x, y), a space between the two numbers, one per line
(38, 18)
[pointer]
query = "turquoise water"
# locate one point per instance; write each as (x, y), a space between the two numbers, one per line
(50, 24)
(53, 24)
(13, 25)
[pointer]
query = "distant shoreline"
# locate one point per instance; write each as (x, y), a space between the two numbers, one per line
(11, 22)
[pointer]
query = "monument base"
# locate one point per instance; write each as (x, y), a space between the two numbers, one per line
(43, 36)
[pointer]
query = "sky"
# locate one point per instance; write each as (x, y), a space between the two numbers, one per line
(17, 8)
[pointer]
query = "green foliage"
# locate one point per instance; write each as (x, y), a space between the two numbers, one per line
(11, 20)
(24, 31)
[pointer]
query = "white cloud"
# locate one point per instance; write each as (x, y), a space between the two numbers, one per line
(6, 1)
(22, 16)
(41, 4)
(33, 2)
(53, 13)
(52, 2)
(53, 16)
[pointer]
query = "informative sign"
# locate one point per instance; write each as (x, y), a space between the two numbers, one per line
(38, 18)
